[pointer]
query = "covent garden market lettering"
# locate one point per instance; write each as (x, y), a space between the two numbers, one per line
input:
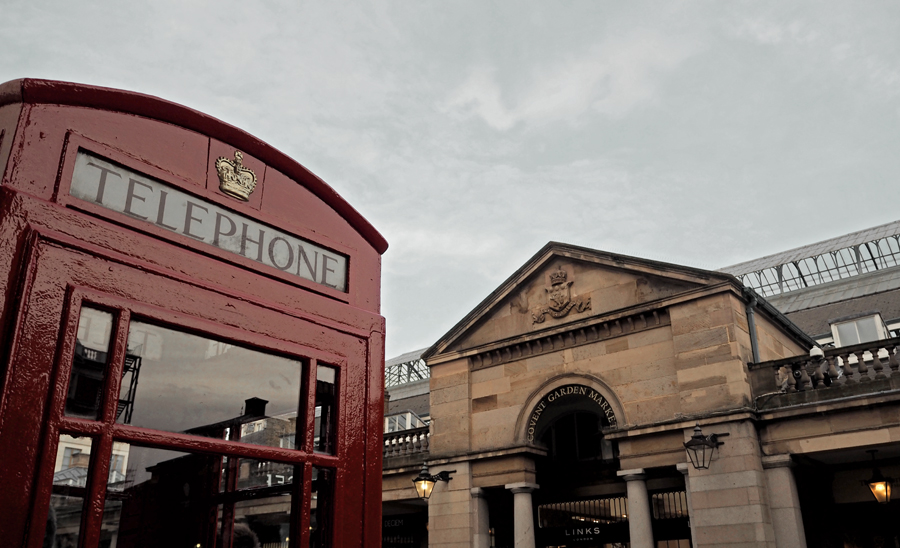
(117, 188)
(568, 392)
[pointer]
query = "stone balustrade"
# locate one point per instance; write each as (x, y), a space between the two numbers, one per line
(406, 442)
(835, 367)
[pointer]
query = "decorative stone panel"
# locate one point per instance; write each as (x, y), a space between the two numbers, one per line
(600, 331)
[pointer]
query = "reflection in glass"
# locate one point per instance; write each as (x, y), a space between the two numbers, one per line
(253, 473)
(67, 499)
(264, 522)
(238, 474)
(326, 381)
(89, 363)
(172, 498)
(162, 499)
(321, 508)
(179, 382)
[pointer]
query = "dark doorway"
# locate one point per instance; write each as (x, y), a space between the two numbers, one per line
(500, 517)
(838, 509)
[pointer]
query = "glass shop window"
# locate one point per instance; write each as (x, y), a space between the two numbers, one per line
(182, 490)
(859, 330)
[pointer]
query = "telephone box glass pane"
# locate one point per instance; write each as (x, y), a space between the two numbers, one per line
(254, 474)
(180, 382)
(321, 508)
(263, 522)
(63, 524)
(89, 363)
(164, 498)
(326, 383)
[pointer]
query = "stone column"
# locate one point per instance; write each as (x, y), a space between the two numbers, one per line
(784, 502)
(523, 514)
(639, 525)
(481, 536)
(683, 468)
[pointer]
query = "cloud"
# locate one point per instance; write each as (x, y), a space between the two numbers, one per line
(610, 79)
(472, 133)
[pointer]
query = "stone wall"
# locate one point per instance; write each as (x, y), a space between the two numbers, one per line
(730, 502)
(450, 509)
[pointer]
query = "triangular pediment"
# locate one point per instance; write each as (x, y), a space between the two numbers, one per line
(565, 284)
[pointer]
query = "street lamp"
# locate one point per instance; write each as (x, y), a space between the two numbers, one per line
(424, 482)
(879, 485)
(700, 448)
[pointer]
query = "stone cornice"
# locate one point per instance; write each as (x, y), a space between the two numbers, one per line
(644, 308)
(478, 455)
(570, 338)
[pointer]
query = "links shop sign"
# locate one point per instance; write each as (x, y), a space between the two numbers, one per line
(114, 187)
(564, 395)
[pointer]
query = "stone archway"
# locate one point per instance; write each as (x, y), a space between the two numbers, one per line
(564, 394)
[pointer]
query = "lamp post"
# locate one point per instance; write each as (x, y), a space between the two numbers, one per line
(700, 448)
(878, 484)
(425, 482)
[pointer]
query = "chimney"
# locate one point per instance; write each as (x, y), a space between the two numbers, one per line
(255, 407)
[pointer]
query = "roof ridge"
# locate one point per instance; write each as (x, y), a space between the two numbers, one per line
(809, 250)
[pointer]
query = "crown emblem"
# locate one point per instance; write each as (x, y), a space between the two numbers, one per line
(558, 277)
(235, 180)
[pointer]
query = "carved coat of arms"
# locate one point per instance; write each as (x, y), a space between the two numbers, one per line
(559, 299)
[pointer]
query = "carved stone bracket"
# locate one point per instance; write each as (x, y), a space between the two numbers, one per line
(568, 339)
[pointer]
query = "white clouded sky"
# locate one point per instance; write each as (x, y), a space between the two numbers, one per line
(472, 133)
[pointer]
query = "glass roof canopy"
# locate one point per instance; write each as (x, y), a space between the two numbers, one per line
(857, 253)
(406, 368)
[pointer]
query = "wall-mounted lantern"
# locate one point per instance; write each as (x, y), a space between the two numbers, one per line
(700, 448)
(878, 484)
(424, 482)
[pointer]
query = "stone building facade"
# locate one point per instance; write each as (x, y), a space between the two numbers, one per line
(563, 401)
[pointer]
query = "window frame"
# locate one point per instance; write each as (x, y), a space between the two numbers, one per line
(104, 431)
(880, 327)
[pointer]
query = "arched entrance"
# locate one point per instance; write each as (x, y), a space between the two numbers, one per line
(569, 421)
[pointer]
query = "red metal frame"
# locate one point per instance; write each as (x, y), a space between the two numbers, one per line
(105, 430)
(29, 90)
(58, 253)
(74, 142)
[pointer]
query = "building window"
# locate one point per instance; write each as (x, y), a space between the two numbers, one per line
(405, 420)
(858, 330)
(70, 456)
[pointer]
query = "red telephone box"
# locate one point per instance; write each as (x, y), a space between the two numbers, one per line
(191, 350)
